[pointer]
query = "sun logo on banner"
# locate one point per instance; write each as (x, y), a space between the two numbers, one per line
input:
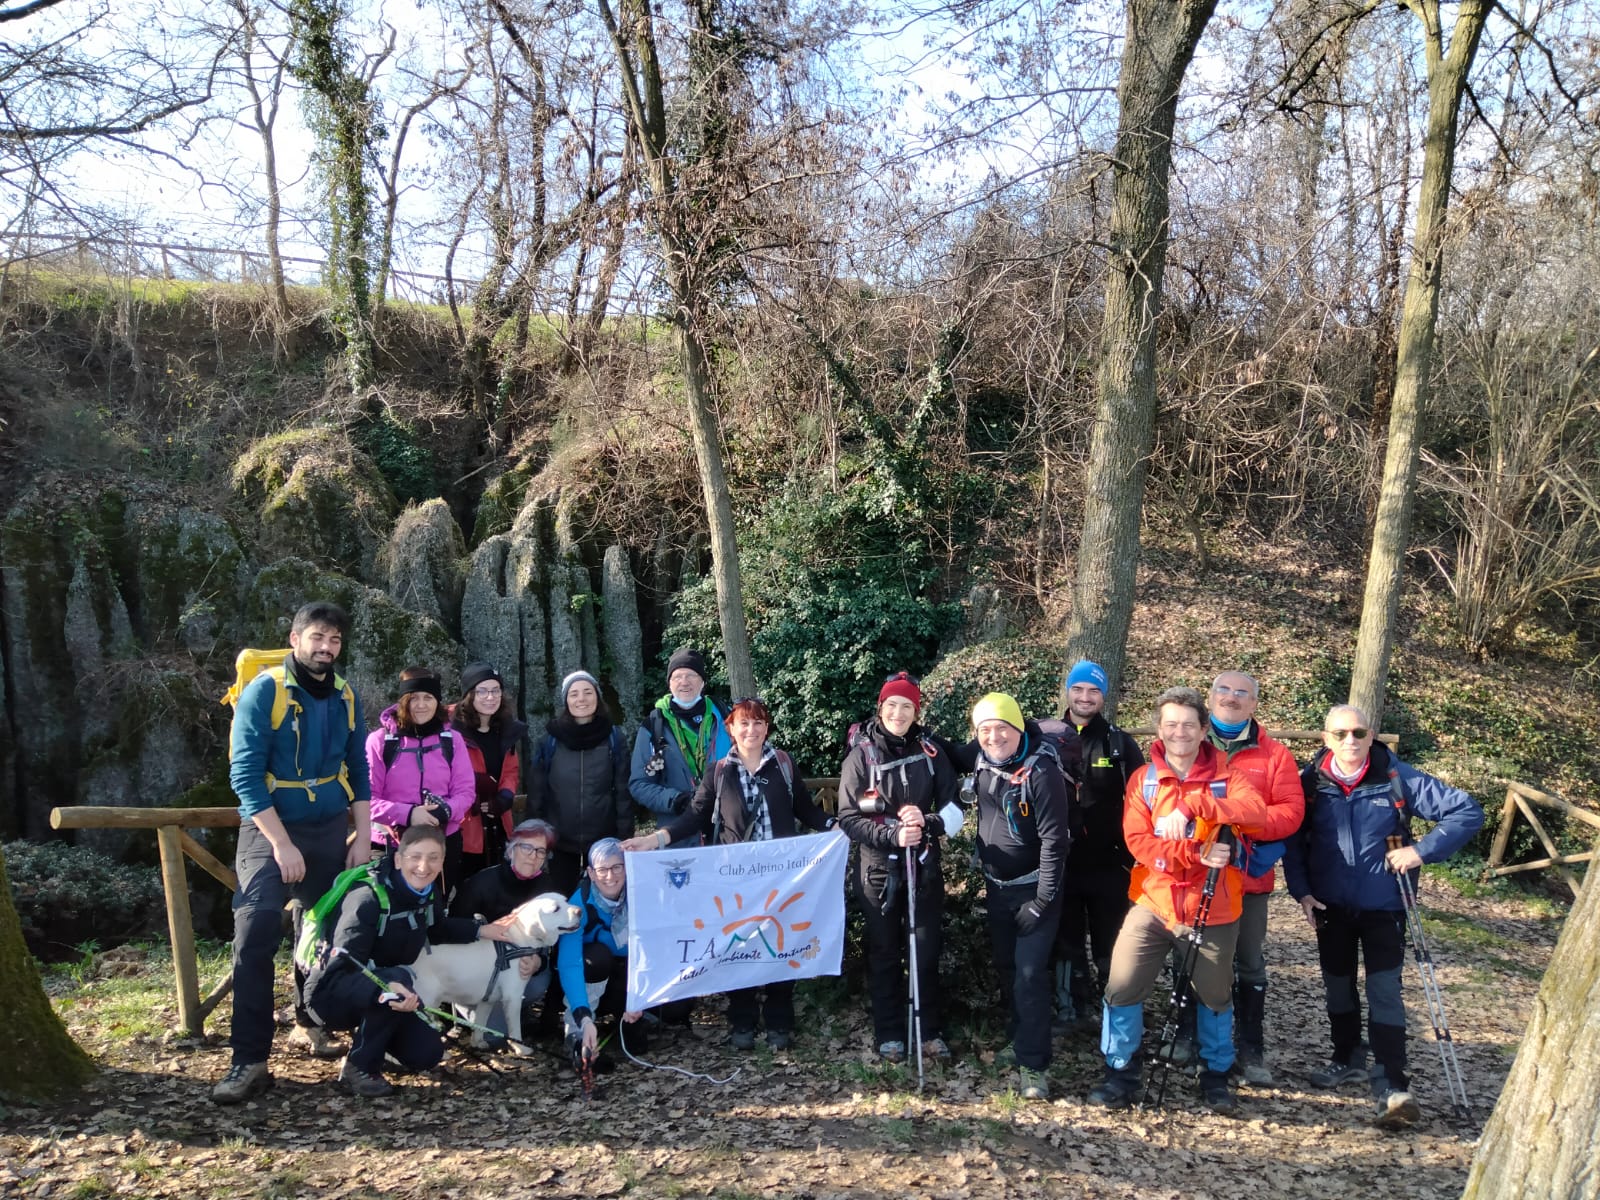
(764, 926)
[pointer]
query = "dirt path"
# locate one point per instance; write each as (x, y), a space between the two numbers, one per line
(822, 1121)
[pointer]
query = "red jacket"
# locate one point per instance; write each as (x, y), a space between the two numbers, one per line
(1170, 877)
(1267, 763)
(497, 797)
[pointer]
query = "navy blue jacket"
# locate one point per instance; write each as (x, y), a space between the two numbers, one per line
(1339, 854)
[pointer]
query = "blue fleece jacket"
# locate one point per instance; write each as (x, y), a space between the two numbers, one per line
(309, 745)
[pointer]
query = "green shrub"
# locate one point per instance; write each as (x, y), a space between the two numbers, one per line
(836, 601)
(67, 895)
(1030, 671)
(400, 455)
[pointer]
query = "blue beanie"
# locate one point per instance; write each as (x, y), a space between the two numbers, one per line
(1084, 671)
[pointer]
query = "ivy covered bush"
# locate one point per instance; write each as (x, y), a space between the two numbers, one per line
(67, 895)
(837, 601)
(1030, 671)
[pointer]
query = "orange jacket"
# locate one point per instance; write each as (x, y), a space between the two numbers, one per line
(1170, 877)
(1269, 765)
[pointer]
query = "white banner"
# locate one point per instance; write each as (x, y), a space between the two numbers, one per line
(715, 918)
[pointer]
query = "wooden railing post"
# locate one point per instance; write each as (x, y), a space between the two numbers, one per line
(180, 925)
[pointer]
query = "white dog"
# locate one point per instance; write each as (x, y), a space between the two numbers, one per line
(473, 975)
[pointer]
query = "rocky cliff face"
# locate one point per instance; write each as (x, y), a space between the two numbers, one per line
(122, 607)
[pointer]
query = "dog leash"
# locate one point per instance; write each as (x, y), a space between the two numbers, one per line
(622, 1040)
(439, 1013)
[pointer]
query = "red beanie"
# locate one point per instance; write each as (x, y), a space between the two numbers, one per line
(902, 685)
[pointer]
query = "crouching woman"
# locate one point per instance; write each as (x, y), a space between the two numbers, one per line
(362, 978)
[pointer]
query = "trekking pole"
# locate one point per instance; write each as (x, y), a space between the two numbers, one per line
(914, 1025)
(1454, 1080)
(1185, 973)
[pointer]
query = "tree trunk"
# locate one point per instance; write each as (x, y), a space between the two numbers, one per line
(1159, 43)
(1543, 1138)
(1447, 80)
(38, 1058)
(691, 274)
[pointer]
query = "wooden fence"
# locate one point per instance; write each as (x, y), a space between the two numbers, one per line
(1521, 798)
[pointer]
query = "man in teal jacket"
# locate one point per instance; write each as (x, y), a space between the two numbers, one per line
(298, 765)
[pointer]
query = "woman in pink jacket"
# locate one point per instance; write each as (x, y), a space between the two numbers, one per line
(421, 773)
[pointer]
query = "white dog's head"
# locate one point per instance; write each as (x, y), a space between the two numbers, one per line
(541, 921)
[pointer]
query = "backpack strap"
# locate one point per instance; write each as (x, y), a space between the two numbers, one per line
(1148, 788)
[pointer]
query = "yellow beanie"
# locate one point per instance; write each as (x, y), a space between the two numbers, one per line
(997, 706)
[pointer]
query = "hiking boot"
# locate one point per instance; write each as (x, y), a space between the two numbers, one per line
(361, 1083)
(1216, 1090)
(1006, 1056)
(935, 1048)
(1118, 1088)
(242, 1081)
(1180, 1051)
(892, 1052)
(742, 1039)
(1335, 1073)
(1397, 1110)
(313, 1040)
(1252, 1067)
(1034, 1085)
(779, 1039)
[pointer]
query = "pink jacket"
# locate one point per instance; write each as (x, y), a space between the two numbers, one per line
(397, 788)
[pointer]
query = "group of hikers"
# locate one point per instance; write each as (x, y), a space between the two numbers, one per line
(1101, 866)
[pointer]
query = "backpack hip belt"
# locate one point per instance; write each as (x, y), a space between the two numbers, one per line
(310, 786)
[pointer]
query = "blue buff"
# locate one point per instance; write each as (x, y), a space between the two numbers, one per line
(1229, 732)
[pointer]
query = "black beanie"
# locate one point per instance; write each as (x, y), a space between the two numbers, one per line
(692, 659)
(478, 672)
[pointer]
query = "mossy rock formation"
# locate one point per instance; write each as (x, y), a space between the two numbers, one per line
(624, 639)
(421, 565)
(317, 497)
(96, 585)
(384, 638)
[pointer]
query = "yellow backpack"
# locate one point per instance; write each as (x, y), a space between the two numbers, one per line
(251, 663)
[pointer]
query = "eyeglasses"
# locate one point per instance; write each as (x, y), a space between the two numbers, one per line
(1339, 735)
(905, 675)
(748, 700)
(1242, 693)
(487, 693)
(528, 848)
(618, 869)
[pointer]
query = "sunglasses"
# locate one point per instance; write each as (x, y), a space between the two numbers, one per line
(1339, 735)
(905, 675)
(1218, 689)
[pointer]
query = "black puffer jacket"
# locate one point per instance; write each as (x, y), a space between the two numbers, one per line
(1023, 815)
(928, 783)
(580, 784)
(495, 891)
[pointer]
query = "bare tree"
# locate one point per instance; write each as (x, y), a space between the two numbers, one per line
(1157, 48)
(1448, 67)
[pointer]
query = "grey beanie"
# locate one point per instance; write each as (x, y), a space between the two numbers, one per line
(566, 686)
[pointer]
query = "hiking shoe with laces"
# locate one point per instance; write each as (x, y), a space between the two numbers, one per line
(361, 1083)
(1253, 1069)
(742, 1039)
(1397, 1110)
(892, 1052)
(935, 1048)
(313, 1040)
(778, 1039)
(1006, 1056)
(1335, 1073)
(1117, 1090)
(1034, 1085)
(1216, 1090)
(242, 1081)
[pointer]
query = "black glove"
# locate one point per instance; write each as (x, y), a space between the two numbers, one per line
(680, 803)
(1028, 917)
